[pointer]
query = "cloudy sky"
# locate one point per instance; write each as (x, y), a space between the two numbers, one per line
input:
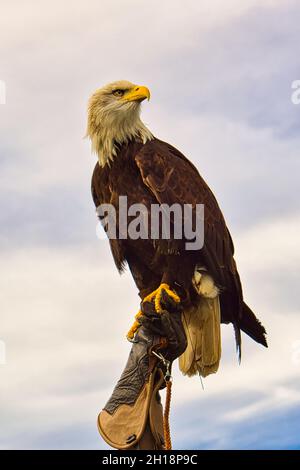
(220, 75)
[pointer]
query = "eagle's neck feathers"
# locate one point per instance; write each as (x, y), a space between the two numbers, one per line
(109, 130)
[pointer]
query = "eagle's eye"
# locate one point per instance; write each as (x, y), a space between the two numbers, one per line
(118, 92)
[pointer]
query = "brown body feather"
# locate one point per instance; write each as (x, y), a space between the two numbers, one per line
(157, 173)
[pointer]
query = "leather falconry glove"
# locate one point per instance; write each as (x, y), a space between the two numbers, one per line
(168, 324)
(133, 416)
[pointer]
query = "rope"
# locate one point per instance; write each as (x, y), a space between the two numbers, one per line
(167, 433)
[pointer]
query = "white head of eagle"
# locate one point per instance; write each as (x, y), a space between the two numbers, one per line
(114, 118)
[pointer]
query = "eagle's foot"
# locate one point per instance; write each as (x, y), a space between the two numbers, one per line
(156, 296)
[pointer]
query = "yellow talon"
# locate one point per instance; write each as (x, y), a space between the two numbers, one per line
(134, 328)
(157, 294)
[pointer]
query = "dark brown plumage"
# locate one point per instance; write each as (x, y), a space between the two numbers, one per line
(155, 172)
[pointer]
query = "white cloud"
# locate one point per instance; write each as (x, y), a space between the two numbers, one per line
(65, 340)
(275, 242)
(64, 53)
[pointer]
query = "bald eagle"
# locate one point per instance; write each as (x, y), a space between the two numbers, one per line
(134, 163)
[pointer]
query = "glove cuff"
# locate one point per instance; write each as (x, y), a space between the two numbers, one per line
(135, 402)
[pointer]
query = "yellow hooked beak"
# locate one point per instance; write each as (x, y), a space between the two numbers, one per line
(137, 93)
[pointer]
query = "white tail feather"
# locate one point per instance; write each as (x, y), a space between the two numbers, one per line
(202, 328)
